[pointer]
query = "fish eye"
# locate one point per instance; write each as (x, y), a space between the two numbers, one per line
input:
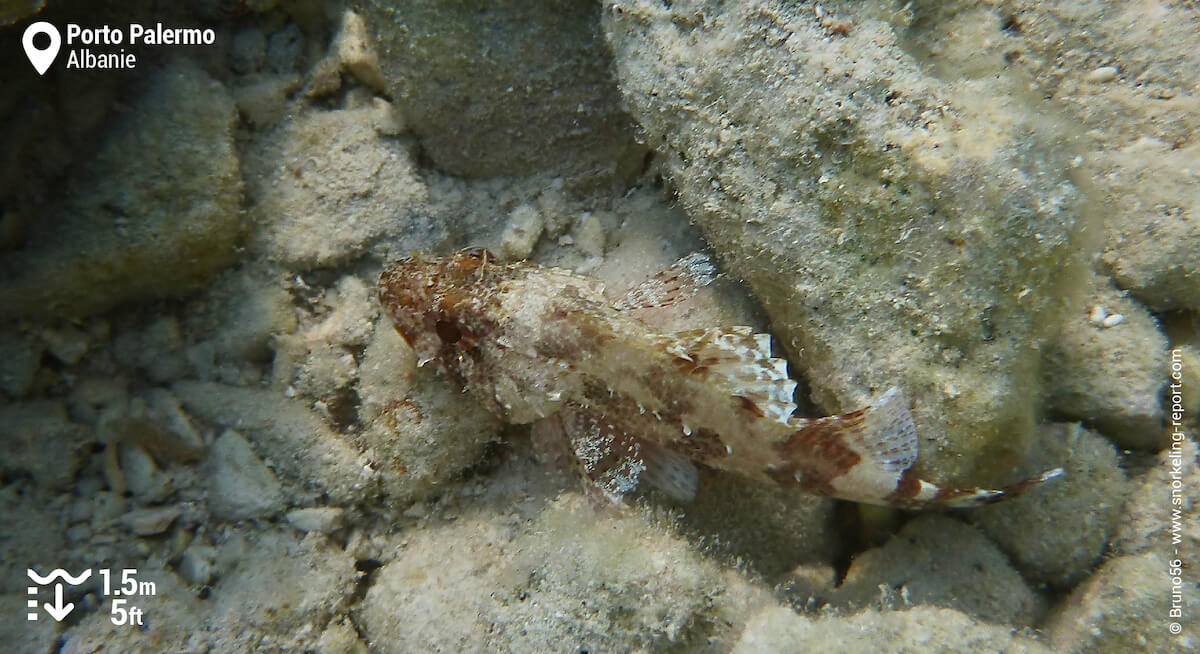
(448, 332)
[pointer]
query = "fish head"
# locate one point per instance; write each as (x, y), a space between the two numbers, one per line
(440, 304)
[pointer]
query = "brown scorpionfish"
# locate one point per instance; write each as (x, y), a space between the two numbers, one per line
(545, 346)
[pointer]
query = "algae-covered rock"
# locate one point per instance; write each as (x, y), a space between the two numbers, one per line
(899, 230)
(920, 629)
(573, 580)
(39, 441)
(1150, 522)
(1125, 607)
(1125, 75)
(328, 186)
(938, 561)
(1058, 533)
(271, 589)
(1152, 195)
(1108, 365)
(426, 437)
(154, 212)
(311, 460)
(243, 486)
(770, 529)
(507, 89)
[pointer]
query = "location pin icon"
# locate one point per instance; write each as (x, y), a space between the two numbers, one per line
(41, 59)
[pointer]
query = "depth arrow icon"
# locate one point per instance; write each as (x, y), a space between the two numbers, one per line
(57, 610)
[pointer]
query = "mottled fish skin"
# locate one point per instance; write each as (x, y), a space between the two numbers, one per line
(546, 346)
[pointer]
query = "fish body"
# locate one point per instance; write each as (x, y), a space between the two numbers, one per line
(546, 346)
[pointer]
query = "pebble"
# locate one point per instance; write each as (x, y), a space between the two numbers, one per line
(319, 519)
(1101, 75)
(148, 522)
(196, 565)
(243, 486)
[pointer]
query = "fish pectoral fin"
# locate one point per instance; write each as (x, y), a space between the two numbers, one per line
(617, 461)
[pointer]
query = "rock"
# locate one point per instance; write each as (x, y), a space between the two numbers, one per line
(67, 344)
(919, 629)
(143, 479)
(320, 361)
(770, 530)
(340, 637)
(40, 441)
(156, 349)
(244, 313)
(243, 487)
(311, 459)
(385, 372)
(196, 565)
(1124, 607)
(321, 519)
(1153, 236)
(572, 581)
(39, 635)
(898, 229)
(1111, 378)
(1173, 484)
(1184, 389)
(533, 90)
(154, 212)
(422, 441)
(274, 588)
(355, 52)
(330, 186)
(525, 226)
(1058, 533)
(938, 561)
(20, 358)
(155, 423)
(1137, 149)
(92, 397)
(104, 508)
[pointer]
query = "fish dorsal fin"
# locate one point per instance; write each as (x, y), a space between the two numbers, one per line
(740, 361)
(675, 284)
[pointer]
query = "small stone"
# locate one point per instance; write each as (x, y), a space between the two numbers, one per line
(142, 477)
(525, 226)
(243, 487)
(68, 344)
(105, 507)
(340, 637)
(77, 534)
(356, 53)
(589, 235)
(1101, 75)
(148, 522)
(1097, 315)
(196, 565)
(319, 519)
(1112, 321)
